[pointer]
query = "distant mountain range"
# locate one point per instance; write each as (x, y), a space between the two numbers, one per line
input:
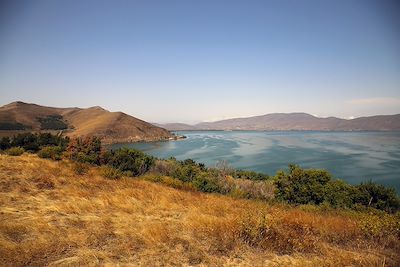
(295, 122)
(112, 127)
(115, 127)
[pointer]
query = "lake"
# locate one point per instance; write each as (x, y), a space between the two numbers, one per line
(351, 156)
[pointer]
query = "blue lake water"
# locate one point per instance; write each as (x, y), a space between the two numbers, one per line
(351, 156)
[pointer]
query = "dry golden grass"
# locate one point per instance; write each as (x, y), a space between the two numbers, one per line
(51, 216)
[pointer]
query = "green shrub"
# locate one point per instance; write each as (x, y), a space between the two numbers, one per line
(190, 175)
(125, 159)
(218, 179)
(370, 194)
(250, 175)
(48, 139)
(110, 172)
(187, 170)
(91, 158)
(50, 152)
(301, 186)
(206, 184)
(339, 194)
(15, 151)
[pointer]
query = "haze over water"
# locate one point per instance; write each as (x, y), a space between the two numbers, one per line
(351, 156)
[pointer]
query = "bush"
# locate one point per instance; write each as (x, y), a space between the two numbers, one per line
(15, 151)
(250, 175)
(339, 194)
(188, 170)
(301, 186)
(129, 160)
(216, 180)
(48, 139)
(370, 194)
(50, 152)
(206, 184)
(312, 186)
(85, 150)
(110, 172)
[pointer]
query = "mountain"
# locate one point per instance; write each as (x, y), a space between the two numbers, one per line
(111, 127)
(304, 121)
(177, 126)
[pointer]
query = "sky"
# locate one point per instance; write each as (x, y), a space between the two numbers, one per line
(191, 61)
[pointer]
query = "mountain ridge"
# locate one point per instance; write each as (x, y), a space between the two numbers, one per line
(297, 121)
(111, 127)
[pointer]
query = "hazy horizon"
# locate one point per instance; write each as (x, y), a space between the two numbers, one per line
(181, 61)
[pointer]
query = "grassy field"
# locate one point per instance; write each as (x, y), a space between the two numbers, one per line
(49, 215)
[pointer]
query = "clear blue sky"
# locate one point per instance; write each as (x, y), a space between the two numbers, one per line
(190, 61)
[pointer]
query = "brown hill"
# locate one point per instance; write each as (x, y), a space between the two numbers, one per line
(304, 121)
(112, 127)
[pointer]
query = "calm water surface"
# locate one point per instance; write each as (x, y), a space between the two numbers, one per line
(351, 156)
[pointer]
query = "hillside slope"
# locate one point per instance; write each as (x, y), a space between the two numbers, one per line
(51, 216)
(110, 126)
(304, 121)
